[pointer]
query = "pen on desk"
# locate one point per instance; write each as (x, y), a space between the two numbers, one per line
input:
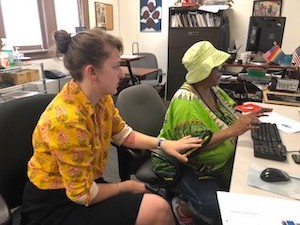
(285, 125)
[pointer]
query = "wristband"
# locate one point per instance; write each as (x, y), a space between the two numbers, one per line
(159, 143)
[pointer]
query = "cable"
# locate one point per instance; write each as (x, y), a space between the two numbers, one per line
(245, 86)
(298, 151)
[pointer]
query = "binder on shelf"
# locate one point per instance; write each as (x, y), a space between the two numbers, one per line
(190, 20)
(199, 20)
(217, 21)
(195, 18)
(203, 20)
(174, 22)
(178, 16)
(185, 20)
(209, 21)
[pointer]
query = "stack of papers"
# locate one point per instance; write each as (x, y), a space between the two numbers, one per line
(283, 123)
(213, 8)
(244, 209)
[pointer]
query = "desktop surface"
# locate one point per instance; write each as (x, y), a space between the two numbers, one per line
(244, 156)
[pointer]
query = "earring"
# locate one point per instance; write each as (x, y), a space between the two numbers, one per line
(94, 85)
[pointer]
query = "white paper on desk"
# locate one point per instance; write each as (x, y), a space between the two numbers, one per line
(283, 123)
(224, 77)
(213, 8)
(129, 56)
(245, 209)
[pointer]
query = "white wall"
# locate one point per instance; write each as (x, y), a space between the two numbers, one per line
(239, 20)
(155, 42)
(126, 25)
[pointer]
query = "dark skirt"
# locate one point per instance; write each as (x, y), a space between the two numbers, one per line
(53, 207)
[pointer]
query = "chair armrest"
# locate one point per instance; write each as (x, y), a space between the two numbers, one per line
(5, 214)
(160, 75)
(147, 175)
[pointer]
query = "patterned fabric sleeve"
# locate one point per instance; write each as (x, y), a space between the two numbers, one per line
(120, 129)
(72, 152)
(185, 116)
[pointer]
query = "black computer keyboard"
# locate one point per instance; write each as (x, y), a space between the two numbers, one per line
(267, 142)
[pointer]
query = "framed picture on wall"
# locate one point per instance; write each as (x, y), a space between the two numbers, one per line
(104, 15)
(267, 8)
(150, 15)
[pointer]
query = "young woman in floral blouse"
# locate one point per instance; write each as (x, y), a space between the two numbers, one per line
(72, 139)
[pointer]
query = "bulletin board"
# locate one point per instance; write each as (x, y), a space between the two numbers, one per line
(104, 15)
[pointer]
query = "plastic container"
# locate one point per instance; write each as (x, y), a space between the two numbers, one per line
(9, 51)
(4, 62)
(18, 57)
(256, 72)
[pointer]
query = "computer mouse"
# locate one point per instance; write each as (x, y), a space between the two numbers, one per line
(274, 175)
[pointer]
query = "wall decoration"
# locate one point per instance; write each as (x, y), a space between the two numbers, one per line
(267, 8)
(104, 16)
(150, 15)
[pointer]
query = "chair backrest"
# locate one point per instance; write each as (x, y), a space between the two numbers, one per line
(149, 61)
(17, 121)
(142, 109)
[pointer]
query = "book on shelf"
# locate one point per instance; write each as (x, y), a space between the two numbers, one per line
(203, 20)
(199, 20)
(195, 19)
(190, 20)
(179, 20)
(174, 21)
(185, 20)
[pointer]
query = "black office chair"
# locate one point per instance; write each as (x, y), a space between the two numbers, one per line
(143, 109)
(17, 121)
(149, 61)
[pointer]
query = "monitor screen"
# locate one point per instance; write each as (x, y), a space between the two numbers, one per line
(263, 31)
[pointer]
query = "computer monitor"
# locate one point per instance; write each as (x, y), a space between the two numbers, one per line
(263, 32)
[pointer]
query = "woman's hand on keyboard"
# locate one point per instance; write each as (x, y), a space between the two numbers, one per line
(262, 111)
(244, 123)
(248, 121)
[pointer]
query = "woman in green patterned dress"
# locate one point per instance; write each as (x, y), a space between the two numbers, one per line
(201, 108)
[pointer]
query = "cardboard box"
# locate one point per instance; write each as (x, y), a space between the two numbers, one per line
(33, 74)
(19, 77)
(22, 76)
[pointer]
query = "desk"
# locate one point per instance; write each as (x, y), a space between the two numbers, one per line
(262, 65)
(139, 72)
(266, 66)
(125, 61)
(244, 155)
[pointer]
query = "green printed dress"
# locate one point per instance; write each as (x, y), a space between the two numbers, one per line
(188, 115)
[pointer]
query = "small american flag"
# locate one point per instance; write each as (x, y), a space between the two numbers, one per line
(296, 57)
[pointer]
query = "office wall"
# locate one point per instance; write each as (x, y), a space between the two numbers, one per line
(239, 20)
(157, 42)
(58, 64)
(126, 24)
(116, 18)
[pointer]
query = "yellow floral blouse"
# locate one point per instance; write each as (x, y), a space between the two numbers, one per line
(71, 142)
